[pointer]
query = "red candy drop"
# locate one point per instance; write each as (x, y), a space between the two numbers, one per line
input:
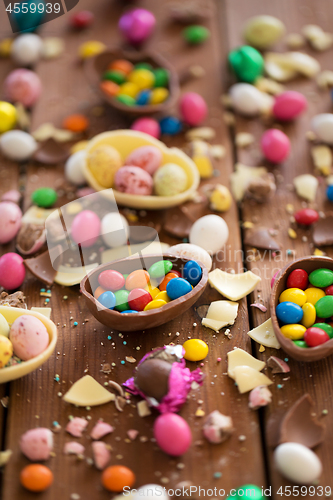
(111, 280)
(298, 278)
(315, 336)
(138, 299)
(329, 290)
(306, 216)
(82, 19)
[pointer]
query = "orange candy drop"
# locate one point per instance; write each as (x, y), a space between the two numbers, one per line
(116, 477)
(36, 477)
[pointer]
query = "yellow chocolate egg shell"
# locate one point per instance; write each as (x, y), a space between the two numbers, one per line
(18, 371)
(125, 141)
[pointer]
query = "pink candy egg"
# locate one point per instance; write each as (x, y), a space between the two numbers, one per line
(86, 228)
(288, 105)
(28, 336)
(149, 158)
(173, 434)
(193, 108)
(137, 25)
(12, 271)
(148, 126)
(275, 145)
(133, 180)
(10, 221)
(24, 86)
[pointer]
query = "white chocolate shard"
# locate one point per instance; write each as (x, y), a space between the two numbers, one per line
(264, 334)
(284, 67)
(220, 313)
(70, 276)
(306, 186)
(239, 357)
(46, 311)
(233, 286)
(241, 178)
(248, 378)
(88, 392)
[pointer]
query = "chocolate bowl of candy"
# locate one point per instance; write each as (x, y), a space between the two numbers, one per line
(302, 308)
(142, 292)
(134, 82)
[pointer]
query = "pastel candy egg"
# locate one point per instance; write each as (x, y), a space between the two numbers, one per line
(107, 299)
(193, 108)
(293, 332)
(155, 304)
(263, 31)
(10, 221)
(74, 168)
(209, 232)
(170, 179)
(322, 126)
(275, 145)
(247, 63)
(12, 271)
(137, 279)
(114, 229)
(173, 434)
(137, 25)
(294, 295)
(298, 278)
(315, 336)
(27, 49)
(8, 116)
(134, 180)
(4, 326)
(6, 351)
(246, 99)
(324, 307)
(111, 280)
(149, 158)
(321, 278)
(289, 312)
(192, 272)
(313, 295)
(122, 300)
(103, 162)
(28, 336)
(195, 349)
(24, 86)
(160, 268)
(85, 228)
(138, 298)
(309, 315)
(147, 125)
(178, 287)
(326, 327)
(297, 463)
(44, 197)
(17, 145)
(306, 216)
(289, 105)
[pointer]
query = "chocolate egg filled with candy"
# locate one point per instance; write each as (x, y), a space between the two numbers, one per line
(163, 380)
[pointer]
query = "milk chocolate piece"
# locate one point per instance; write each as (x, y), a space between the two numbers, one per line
(31, 238)
(262, 239)
(178, 223)
(323, 232)
(152, 378)
(16, 299)
(261, 188)
(41, 266)
(51, 153)
(190, 12)
(278, 365)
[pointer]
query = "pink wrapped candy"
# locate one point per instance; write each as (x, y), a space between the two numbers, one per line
(275, 145)
(12, 271)
(137, 25)
(147, 126)
(288, 105)
(149, 158)
(193, 108)
(133, 180)
(10, 221)
(173, 434)
(37, 444)
(24, 86)
(28, 336)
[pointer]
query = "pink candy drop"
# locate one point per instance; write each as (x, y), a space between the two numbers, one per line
(289, 105)
(193, 108)
(86, 228)
(173, 434)
(12, 271)
(275, 145)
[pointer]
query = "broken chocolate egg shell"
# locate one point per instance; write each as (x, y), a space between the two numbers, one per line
(309, 354)
(30, 239)
(142, 320)
(152, 378)
(96, 66)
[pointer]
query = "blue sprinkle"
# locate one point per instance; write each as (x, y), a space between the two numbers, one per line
(185, 240)
(286, 360)
(217, 475)
(47, 300)
(124, 342)
(42, 290)
(109, 337)
(55, 424)
(122, 362)
(48, 291)
(289, 252)
(57, 378)
(75, 323)
(279, 386)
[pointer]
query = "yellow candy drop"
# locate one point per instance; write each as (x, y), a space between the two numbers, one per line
(103, 162)
(143, 78)
(163, 296)
(221, 198)
(154, 304)
(293, 332)
(153, 290)
(309, 315)
(6, 47)
(195, 350)
(8, 116)
(314, 294)
(295, 295)
(91, 49)
(6, 350)
(129, 88)
(158, 95)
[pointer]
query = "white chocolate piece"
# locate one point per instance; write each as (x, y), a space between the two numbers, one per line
(36, 215)
(322, 158)
(4, 326)
(149, 247)
(241, 178)
(264, 334)
(297, 463)
(248, 378)
(306, 186)
(284, 67)
(70, 276)
(221, 313)
(46, 311)
(233, 286)
(88, 392)
(239, 357)
(322, 126)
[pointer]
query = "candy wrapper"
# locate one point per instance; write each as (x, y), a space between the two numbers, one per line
(163, 380)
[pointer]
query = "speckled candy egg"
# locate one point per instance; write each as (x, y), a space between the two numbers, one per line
(289, 105)
(6, 351)
(12, 271)
(137, 25)
(173, 434)
(114, 229)
(193, 108)
(24, 86)
(86, 228)
(149, 158)
(28, 336)
(17, 145)
(170, 179)
(209, 232)
(74, 168)
(27, 49)
(103, 162)
(10, 221)
(134, 180)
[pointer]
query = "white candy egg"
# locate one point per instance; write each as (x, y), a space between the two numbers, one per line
(74, 168)
(322, 125)
(150, 492)
(209, 232)
(114, 230)
(17, 145)
(193, 252)
(27, 49)
(246, 99)
(297, 463)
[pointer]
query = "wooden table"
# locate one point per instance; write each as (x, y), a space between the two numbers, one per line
(36, 399)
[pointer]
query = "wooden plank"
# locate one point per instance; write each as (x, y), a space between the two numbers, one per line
(87, 346)
(311, 378)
